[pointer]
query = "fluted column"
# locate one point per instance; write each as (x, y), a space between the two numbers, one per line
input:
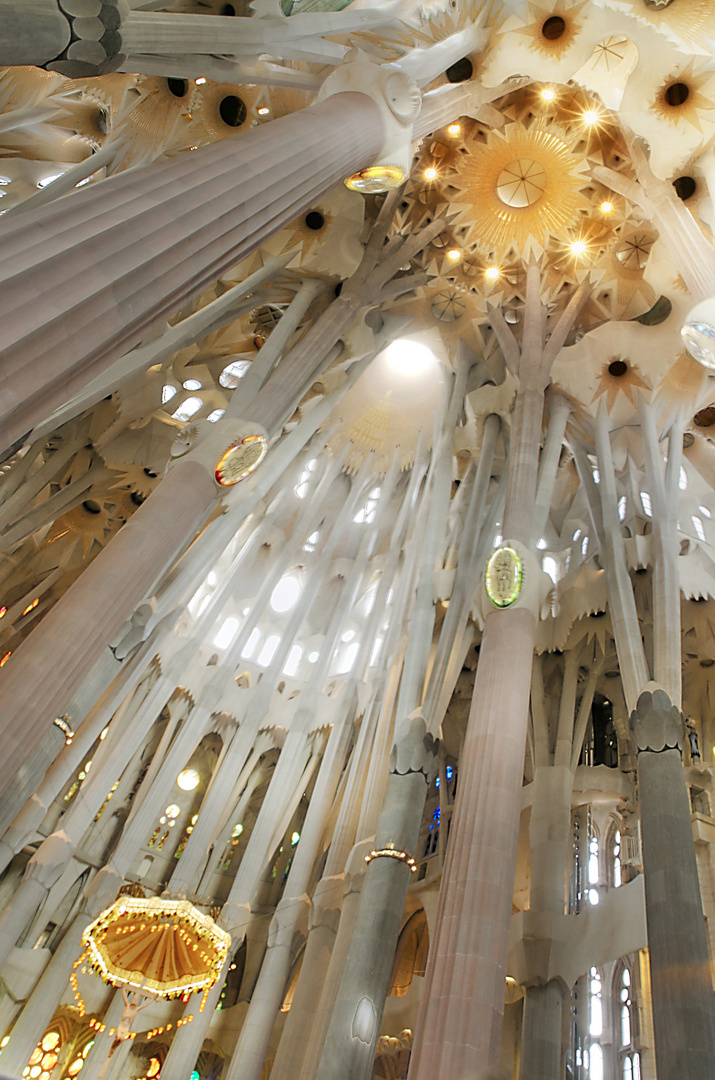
(354, 1025)
(85, 279)
(33, 692)
(681, 979)
(462, 1009)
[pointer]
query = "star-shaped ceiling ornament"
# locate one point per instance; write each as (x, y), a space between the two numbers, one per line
(518, 189)
(554, 26)
(618, 377)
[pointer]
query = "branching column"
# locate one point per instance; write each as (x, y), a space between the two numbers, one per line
(460, 1023)
(683, 1002)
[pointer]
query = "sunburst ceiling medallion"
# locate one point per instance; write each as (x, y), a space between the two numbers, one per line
(519, 187)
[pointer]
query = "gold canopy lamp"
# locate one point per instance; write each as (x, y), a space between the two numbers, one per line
(156, 949)
(160, 948)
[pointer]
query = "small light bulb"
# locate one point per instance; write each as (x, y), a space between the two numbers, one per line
(547, 94)
(263, 111)
(492, 273)
(200, 82)
(578, 247)
(591, 117)
(454, 130)
(454, 254)
(606, 207)
(430, 174)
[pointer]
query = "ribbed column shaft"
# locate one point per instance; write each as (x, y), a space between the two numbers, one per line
(681, 980)
(86, 278)
(463, 1004)
(91, 612)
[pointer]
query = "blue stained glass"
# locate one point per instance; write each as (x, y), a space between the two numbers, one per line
(450, 772)
(437, 814)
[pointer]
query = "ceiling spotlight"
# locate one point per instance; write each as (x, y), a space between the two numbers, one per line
(591, 117)
(454, 130)
(200, 82)
(578, 248)
(492, 273)
(430, 174)
(454, 254)
(263, 111)
(547, 94)
(606, 207)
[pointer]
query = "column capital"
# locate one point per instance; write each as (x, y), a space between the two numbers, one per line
(656, 723)
(399, 100)
(415, 749)
(95, 45)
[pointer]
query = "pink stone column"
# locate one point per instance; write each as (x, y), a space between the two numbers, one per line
(85, 278)
(41, 674)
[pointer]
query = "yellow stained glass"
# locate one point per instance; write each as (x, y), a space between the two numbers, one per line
(49, 1061)
(51, 1040)
(75, 1067)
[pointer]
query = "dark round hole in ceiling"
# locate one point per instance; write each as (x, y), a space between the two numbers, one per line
(232, 110)
(706, 416)
(178, 87)
(677, 94)
(685, 186)
(461, 71)
(617, 368)
(92, 507)
(708, 662)
(553, 28)
(314, 220)
(228, 9)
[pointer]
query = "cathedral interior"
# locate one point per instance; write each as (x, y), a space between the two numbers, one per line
(357, 539)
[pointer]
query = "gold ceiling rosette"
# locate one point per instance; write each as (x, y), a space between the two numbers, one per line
(518, 189)
(158, 947)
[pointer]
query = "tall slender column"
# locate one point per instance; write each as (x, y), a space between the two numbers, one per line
(683, 1003)
(86, 279)
(279, 805)
(248, 1057)
(349, 1045)
(463, 1004)
(40, 1006)
(108, 590)
(164, 525)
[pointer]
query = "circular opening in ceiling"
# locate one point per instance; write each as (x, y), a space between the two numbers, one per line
(314, 220)
(677, 94)
(553, 28)
(228, 9)
(178, 87)
(617, 368)
(461, 71)
(685, 186)
(708, 662)
(92, 507)
(448, 306)
(232, 111)
(521, 184)
(688, 440)
(706, 416)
